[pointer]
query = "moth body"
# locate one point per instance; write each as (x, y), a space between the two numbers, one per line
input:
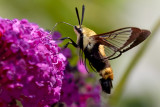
(98, 49)
(95, 54)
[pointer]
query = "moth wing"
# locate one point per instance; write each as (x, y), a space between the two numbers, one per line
(119, 41)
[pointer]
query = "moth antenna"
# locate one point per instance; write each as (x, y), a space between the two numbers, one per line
(78, 16)
(83, 9)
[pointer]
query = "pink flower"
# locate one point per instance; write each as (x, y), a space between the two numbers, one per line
(81, 68)
(31, 67)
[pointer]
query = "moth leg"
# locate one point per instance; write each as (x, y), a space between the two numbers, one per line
(92, 67)
(66, 45)
(71, 42)
(85, 64)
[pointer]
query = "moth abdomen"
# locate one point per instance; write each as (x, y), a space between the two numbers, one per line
(106, 84)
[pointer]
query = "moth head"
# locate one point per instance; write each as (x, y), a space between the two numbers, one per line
(78, 30)
(82, 30)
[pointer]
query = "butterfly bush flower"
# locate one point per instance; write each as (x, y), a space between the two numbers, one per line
(76, 91)
(81, 68)
(31, 65)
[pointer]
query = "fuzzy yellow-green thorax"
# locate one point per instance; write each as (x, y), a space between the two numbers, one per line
(87, 32)
(87, 41)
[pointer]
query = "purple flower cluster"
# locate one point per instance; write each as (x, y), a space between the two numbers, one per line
(70, 91)
(76, 91)
(31, 67)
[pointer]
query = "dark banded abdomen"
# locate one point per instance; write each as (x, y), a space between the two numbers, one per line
(102, 66)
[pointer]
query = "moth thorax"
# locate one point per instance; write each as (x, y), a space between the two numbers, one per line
(84, 35)
(88, 32)
(87, 40)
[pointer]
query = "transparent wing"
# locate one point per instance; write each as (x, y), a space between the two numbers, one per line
(121, 40)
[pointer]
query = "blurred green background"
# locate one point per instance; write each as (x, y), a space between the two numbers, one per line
(142, 87)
